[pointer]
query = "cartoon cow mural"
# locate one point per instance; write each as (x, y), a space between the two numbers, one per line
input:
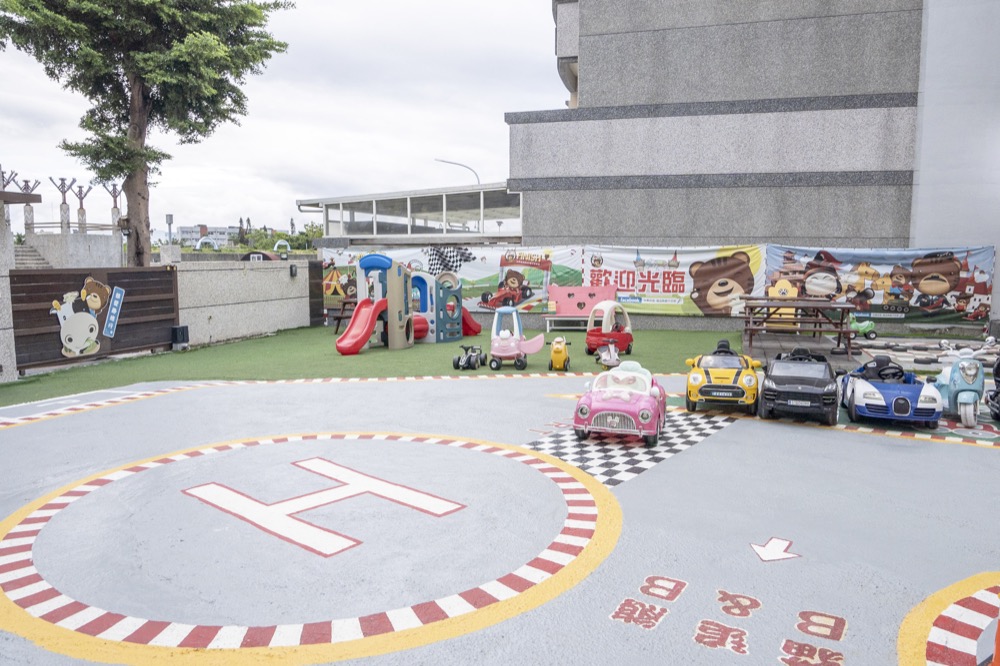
(78, 330)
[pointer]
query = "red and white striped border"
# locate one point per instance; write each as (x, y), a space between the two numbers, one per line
(955, 634)
(25, 586)
(110, 402)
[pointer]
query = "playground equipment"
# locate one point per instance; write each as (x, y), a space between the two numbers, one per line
(559, 355)
(508, 342)
(385, 316)
(439, 302)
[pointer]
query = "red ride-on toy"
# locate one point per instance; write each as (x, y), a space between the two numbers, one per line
(608, 320)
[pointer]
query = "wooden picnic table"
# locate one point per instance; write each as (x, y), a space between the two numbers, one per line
(347, 306)
(797, 315)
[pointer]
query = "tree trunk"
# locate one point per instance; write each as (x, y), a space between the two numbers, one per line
(136, 185)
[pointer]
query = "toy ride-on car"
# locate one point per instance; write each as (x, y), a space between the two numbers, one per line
(471, 358)
(625, 401)
(864, 327)
(608, 319)
(881, 389)
(800, 383)
(508, 342)
(723, 377)
(559, 356)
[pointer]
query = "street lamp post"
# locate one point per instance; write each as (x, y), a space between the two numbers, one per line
(437, 159)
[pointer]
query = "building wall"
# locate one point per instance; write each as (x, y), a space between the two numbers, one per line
(228, 300)
(703, 122)
(8, 359)
(957, 194)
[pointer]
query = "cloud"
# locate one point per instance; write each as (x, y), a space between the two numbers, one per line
(366, 97)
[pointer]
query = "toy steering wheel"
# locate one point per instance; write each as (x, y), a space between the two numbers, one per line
(890, 372)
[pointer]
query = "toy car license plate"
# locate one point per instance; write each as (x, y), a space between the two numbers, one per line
(798, 403)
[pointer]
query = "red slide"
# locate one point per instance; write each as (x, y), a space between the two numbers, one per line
(469, 325)
(361, 326)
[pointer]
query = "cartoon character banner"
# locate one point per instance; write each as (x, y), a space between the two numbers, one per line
(80, 313)
(709, 281)
(954, 283)
(491, 276)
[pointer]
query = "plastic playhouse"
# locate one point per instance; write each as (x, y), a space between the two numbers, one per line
(404, 307)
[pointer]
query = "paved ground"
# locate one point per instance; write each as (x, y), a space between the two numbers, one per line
(448, 521)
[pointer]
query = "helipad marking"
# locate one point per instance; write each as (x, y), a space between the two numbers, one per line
(947, 627)
(32, 608)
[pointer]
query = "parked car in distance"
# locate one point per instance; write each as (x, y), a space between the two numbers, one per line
(881, 389)
(723, 377)
(626, 400)
(800, 383)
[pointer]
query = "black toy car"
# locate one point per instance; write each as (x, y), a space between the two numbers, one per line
(992, 398)
(472, 357)
(800, 383)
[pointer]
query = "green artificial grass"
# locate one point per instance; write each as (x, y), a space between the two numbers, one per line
(308, 353)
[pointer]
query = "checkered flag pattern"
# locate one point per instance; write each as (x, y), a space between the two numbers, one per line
(615, 459)
(447, 259)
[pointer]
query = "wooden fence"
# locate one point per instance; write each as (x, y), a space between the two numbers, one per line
(53, 322)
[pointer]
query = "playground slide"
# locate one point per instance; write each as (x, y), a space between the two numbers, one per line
(469, 325)
(361, 326)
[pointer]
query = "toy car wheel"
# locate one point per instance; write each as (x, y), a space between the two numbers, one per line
(853, 335)
(628, 350)
(566, 369)
(590, 351)
(967, 415)
(474, 363)
(520, 363)
(994, 414)
(457, 362)
(832, 417)
(580, 433)
(752, 408)
(763, 411)
(508, 302)
(690, 404)
(871, 335)
(932, 425)
(651, 440)
(550, 366)
(852, 410)
(495, 363)
(482, 359)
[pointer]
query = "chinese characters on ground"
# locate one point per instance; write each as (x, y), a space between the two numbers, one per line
(716, 635)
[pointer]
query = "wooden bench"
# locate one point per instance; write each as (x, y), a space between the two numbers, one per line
(772, 315)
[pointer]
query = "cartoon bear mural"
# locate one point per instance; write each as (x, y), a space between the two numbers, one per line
(933, 276)
(821, 279)
(720, 282)
(96, 295)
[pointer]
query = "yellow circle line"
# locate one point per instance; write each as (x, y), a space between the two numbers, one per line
(64, 641)
(911, 643)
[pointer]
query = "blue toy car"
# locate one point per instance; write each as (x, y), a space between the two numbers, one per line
(881, 389)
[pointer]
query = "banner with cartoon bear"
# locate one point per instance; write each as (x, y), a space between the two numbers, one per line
(80, 313)
(492, 276)
(954, 284)
(707, 281)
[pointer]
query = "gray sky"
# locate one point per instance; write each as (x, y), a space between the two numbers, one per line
(368, 94)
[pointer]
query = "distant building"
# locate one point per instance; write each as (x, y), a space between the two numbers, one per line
(222, 236)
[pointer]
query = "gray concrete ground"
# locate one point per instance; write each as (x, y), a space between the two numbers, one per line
(877, 523)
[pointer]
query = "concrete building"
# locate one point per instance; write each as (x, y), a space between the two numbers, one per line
(850, 123)
(221, 236)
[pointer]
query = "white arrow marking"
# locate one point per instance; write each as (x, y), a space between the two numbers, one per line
(774, 549)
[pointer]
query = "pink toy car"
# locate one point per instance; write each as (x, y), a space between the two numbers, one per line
(508, 342)
(626, 401)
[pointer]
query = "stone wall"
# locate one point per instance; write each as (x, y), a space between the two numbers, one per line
(229, 300)
(75, 250)
(8, 360)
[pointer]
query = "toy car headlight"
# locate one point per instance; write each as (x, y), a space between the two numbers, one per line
(645, 415)
(768, 384)
(928, 399)
(830, 388)
(694, 378)
(969, 370)
(874, 396)
(749, 379)
(583, 411)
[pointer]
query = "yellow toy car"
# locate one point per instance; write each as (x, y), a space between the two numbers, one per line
(723, 377)
(559, 357)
